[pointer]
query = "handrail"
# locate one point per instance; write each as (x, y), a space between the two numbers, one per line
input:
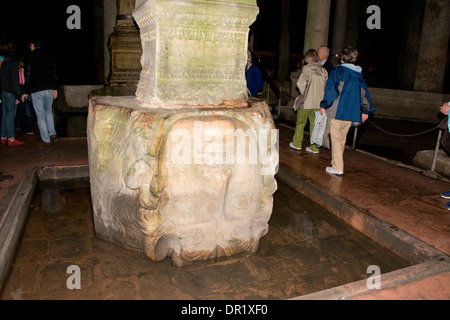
(402, 135)
(436, 149)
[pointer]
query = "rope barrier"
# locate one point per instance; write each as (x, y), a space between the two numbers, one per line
(402, 135)
(377, 127)
(287, 94)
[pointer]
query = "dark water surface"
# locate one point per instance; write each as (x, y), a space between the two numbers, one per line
(307, 249)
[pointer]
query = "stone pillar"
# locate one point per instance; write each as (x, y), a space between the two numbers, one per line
(186, 167)
(433, 47)
(317, 24)
(109, 21)
(407, 56)
(193, 57)
(353, 18)
(339, 29)
(284, 51)
(125, 48)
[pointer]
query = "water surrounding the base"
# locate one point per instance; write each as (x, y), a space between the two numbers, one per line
(306, 250)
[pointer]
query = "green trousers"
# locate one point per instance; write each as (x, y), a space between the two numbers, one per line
(302, 119)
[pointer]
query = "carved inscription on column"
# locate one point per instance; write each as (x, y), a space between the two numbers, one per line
(194, 52)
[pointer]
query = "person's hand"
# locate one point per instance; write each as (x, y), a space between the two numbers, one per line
(445, 107)
(322, 110)
(24, 97)
(17, 101)
(365, 117)
(55, 94)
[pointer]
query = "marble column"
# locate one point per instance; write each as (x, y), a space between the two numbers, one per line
(109, 22)
(433, 47)
(339, 29)
(353, 19)
(193, 57)
(317, 24)
(284, 44)
(125, 48)
(185, 168)
(410, 43)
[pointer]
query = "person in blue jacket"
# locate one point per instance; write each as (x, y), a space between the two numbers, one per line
(253, 77)
(347, 97)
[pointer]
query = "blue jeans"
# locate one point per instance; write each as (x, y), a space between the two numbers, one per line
(42, 103)
(25, 113)
(9, 114)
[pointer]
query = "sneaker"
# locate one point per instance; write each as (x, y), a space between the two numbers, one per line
(331, 170)
(310, 150)
(445, 195)
(291, 144)
(447, 206)
(15, 142)
(54, 138)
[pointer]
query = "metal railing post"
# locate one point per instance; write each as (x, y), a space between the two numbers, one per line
(354, 137)
(436, 150)
(279, 106)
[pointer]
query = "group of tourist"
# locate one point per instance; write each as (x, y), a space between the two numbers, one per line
(341, 93)
(27, 92)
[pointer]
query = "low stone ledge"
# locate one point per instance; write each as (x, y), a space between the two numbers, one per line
(424, 160)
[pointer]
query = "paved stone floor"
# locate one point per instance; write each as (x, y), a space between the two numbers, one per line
(306, 250)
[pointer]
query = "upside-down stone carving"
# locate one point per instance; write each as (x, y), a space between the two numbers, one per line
(186, 168)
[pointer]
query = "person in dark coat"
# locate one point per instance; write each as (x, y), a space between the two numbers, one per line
(41, 82)
(9, 83)
(324, 53)
(253, 77)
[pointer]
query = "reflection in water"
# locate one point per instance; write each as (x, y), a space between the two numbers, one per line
(304, 226)
(51, 200)
(334, 184)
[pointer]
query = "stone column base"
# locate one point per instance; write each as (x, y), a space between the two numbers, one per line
(190, 184)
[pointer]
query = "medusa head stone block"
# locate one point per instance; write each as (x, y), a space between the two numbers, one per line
(194, 52)
(186, 184)
(186, 167)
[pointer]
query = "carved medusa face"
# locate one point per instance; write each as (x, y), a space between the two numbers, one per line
(211, 188)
